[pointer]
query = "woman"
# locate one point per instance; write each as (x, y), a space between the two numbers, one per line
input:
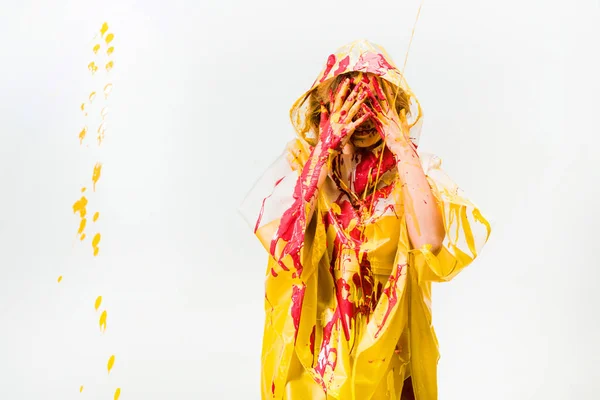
(357, 225)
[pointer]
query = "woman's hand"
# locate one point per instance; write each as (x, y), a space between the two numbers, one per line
(336, 126)
(392, 127)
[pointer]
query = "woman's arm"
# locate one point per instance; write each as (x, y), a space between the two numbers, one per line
(423, 216)
(334, 132)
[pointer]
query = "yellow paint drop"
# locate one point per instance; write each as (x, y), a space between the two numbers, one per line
(110, 50)
(82, 237)
(96, 174)
(111, 362)
(98, 302)
(103, 321)
(103, 29)
(82, 135)
(80, 389)
(83, 190)
(95, 242)
(101, 133)
(107, 90)
(96, 215)
(92, 67)
(59, 279)
(92, 96)
(109, 66)
(117, 393)
(109, 38)
(80, 207)
(104, 112)
(96, 48)
(82, 106)
(82, 226)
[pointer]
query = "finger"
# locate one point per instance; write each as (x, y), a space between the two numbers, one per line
(356, 94)
(367, 114)
(324, 116)
(362, 97)
(340, 95)
(374, 101)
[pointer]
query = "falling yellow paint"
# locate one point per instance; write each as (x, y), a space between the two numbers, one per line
(103, 29)
(109, 38)
(96, 48)
(82, 237)
(83, 190)
(101, 133)
(82, 106)
(92, 67)
(82, 226)
(96, 215)
(82, 135)
(92, 96)
(103, 321)
(111, 362)
(117, 393)
(96, 174)
(109, 66)
(104, 112)
(110, 50)
(98, 302)
(80, 206)
(80, 389)
(107, 90)
(59, 279)
(95, 242)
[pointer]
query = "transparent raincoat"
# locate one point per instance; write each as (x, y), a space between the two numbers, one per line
(350, 317)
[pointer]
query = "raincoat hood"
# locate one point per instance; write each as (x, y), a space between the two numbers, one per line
(359, 56)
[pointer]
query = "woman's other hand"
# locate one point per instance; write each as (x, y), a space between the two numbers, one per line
(336, 124)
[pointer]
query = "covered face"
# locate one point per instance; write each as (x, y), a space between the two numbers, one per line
(357, 58)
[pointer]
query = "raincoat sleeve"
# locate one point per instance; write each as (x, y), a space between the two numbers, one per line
(270, 197)
(467, 230)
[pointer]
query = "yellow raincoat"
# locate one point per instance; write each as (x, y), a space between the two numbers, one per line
(355, 321)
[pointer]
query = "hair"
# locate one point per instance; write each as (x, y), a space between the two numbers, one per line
(320, 95)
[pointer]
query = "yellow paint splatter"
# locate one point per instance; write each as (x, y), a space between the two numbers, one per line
(109, 66)
(82, 226)
(82, 135)
(117, 393)
(83, 190)
(109, 38)
(80, 389)
(110, 50)
(101, 133)
(95, 242)
(103, 29)
(103, 321)
(82, 237)
(92, 67)
(98, 302)
(107, 90)
(82, 107)
(92, 96)
(111, 362)
(80, 206)
(96, 215)
(96, 48)
(59, 279)
(96, 174)
(104, 112)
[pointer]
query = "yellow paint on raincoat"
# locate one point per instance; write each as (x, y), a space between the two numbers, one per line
(330, 353)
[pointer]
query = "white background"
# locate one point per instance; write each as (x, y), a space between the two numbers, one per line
(199, 109)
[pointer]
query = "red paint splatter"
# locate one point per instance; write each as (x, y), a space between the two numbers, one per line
(374, 63)
(392, 294)
(274, 273)
(330, 63)
(342, 66)
(312, 340)
(297, 300)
